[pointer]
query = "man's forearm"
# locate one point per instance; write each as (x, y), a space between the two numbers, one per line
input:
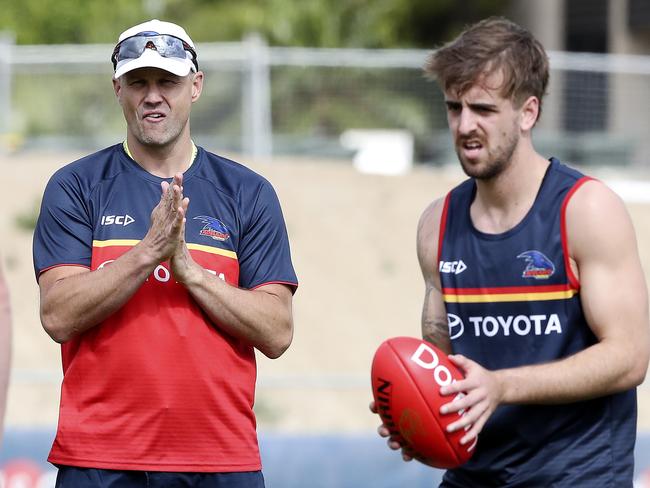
(436, 332)
(78, 302)
(435, 328)
(262, 318)
(599, 370)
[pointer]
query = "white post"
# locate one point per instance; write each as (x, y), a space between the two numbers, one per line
(256, 125)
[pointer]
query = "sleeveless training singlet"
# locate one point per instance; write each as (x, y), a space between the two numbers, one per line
(512, 300)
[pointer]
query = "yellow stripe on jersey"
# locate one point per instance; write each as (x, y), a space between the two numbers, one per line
(213, 250)
(510, 297)
(196, 247)
(116, 242)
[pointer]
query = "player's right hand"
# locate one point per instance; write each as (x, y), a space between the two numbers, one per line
(167, 220)
(384, 432)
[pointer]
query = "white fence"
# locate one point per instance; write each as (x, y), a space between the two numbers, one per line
(265, 101)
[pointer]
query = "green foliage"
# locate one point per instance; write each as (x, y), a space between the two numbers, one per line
(312, 103)
(314, 23)
(316, 103)
(334, 23)
(67, 21)
(83, 106)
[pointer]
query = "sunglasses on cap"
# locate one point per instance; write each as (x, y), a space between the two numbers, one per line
(165, 45)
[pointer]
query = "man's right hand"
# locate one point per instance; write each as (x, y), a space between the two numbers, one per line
(167, 220)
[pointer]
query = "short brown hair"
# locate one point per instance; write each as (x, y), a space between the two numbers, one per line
(484, 48)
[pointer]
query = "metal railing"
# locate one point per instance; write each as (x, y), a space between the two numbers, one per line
(267, 100)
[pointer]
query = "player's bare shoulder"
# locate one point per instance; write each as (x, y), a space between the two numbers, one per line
(597, 220)
(594, 196)
(428, 233)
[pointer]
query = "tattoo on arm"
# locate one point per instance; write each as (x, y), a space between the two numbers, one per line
(434, 326)
(436, 331)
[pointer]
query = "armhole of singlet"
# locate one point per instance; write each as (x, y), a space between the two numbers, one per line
(573, 279)
(443, 226)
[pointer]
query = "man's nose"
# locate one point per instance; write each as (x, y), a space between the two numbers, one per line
(153, 95)
(466, 121)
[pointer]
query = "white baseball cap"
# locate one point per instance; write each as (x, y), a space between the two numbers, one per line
(150, 56)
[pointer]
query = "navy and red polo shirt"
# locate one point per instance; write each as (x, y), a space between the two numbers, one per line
(157, 386)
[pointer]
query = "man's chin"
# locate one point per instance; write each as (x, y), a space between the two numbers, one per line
(480, 171)
(153, 141)
(471, 167)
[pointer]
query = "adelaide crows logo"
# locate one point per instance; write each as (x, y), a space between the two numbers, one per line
(538, 266)
(213, 228)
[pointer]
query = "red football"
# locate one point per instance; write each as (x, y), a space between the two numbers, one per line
(407, 374)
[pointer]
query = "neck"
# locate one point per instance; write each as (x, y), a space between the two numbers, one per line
(163, 161)
(502, 202)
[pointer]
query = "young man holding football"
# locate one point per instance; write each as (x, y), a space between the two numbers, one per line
(550, 311)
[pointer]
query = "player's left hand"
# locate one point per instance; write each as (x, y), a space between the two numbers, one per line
(183, 267)
(483, 393)
(166, 220)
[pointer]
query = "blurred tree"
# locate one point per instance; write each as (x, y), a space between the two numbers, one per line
(307, 105)
(67, 21)
(334, 23)
(316, 23)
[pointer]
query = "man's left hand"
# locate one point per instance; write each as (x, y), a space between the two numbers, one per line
(183, 267)
(482, 394)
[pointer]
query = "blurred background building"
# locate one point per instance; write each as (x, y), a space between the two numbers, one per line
(599, 52)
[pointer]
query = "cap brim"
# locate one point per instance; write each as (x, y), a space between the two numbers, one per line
(151, 59)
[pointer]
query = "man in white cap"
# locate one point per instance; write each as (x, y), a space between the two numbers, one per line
(159, 303)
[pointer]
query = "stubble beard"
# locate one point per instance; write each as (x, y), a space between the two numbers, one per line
(162, 138)
(497, 160)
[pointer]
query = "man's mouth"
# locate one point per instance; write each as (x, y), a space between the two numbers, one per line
(472, 145)
(471, 148)
(153, 116)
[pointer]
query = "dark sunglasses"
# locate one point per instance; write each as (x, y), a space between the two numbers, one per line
(165, 45)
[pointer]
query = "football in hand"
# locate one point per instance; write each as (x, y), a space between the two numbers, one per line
(407, 374)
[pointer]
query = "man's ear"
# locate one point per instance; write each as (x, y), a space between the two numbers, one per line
(117, 87)
(529, 113)
(197, 85)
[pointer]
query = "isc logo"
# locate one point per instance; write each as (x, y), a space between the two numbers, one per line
(452, 267)
(117, 220)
